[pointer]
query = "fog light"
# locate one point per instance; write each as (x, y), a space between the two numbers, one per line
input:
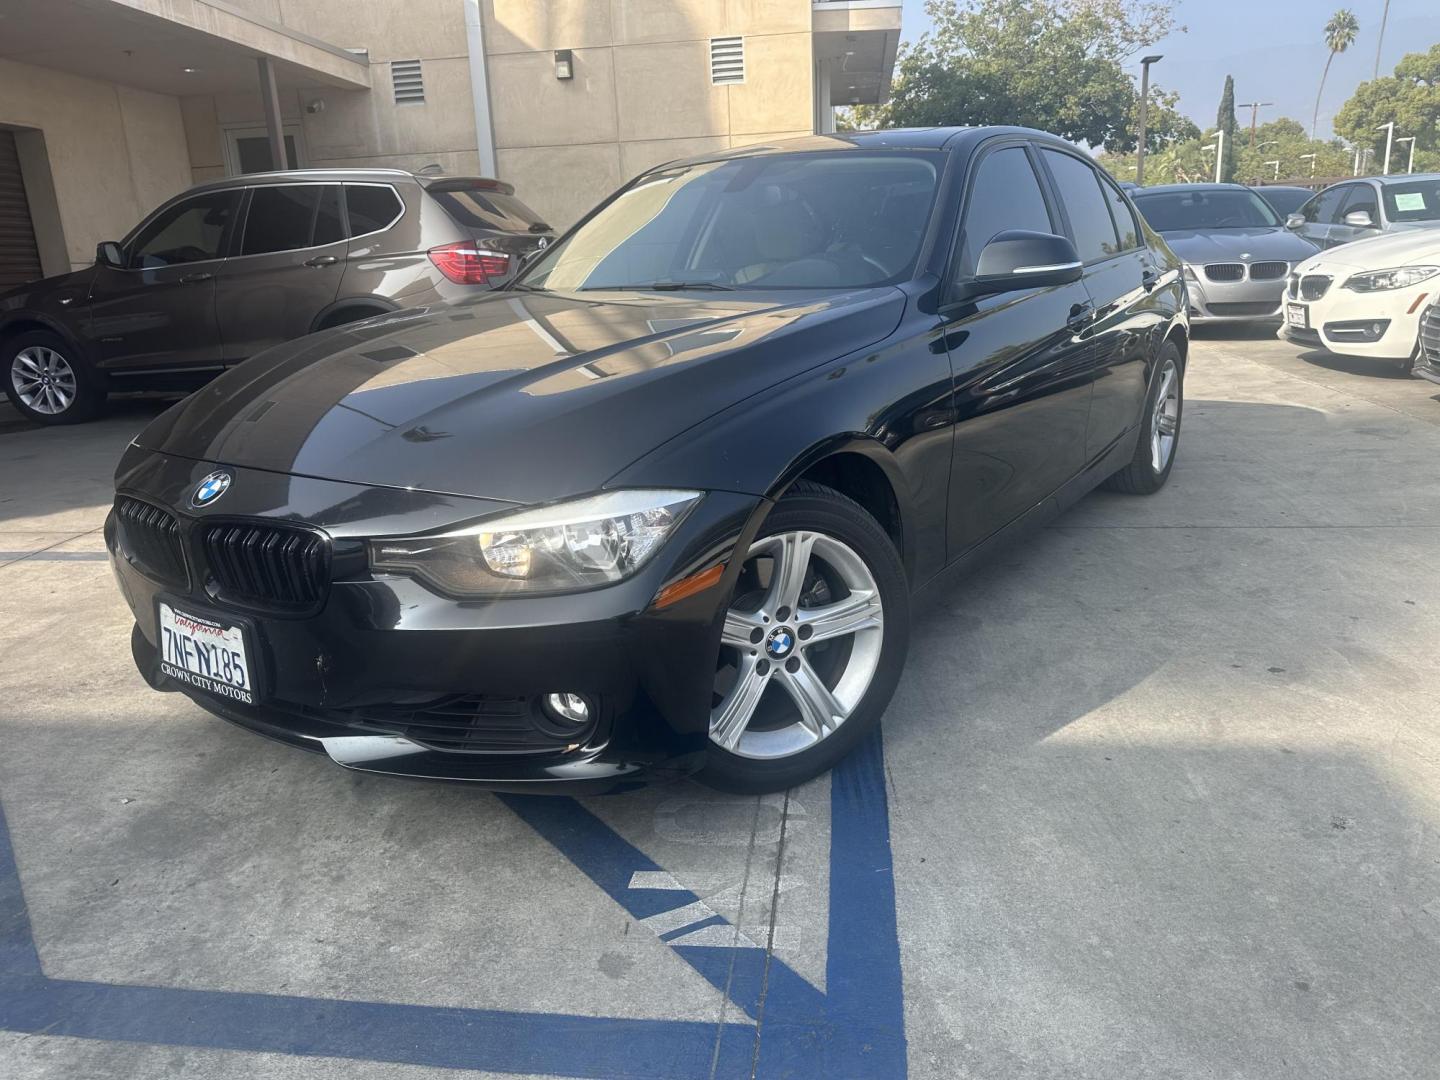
(570, 708)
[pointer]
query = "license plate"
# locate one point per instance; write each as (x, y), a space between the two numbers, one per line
(207, 652)
(1298, 315)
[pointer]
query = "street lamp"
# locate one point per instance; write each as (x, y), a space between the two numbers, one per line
(1219, 149)
(1276, 163)
(1145, 63)
(1312, 158)
(1410, 165)
(1389, 129)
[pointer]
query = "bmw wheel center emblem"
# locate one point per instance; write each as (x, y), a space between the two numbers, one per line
(780, 643)
(210, 488)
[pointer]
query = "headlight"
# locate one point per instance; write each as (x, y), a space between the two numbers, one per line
(561, 548)
(1400, 277)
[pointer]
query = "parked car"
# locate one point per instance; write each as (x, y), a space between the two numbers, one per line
(1365, 299)
(1235, 248)
(1364, 208)
(664, 505)
(230, 268)
(1283, 198)
(1427, 362)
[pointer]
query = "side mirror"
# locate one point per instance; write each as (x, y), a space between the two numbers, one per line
(1359, 219)
(1019, 259)
(107, 253)
(1294, 221)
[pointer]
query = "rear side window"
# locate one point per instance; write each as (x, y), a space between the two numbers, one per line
(290, 217)
(372, 207)
(1005, 194)
(1085, 205)
(475, 208)
(1124, 218)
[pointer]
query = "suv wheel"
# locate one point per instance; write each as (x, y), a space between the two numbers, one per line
(47, 382)
(813, 644)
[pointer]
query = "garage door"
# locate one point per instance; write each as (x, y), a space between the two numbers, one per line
(19, 257)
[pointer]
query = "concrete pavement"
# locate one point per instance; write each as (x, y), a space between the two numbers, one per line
(1163, 789)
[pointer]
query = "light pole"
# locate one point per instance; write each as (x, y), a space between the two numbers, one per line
(1409, 165)
(1312, 158)
(1219, 152)
(1254, 107)
(1145, 63)
(1389, 129)
(1276, 163)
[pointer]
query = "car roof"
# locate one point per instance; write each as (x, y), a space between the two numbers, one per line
(296, 176)
(919, 138)
(1402, 178)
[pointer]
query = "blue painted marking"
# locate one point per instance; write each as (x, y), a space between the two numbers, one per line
(855, 1029)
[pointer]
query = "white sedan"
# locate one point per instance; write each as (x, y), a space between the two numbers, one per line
(1365, 298)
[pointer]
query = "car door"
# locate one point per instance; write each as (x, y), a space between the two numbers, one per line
(286, 269)
(1021, 391)
(156, 311)
(1118, 279)
(1359, 197)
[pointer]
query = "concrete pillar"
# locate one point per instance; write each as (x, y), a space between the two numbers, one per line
(270, 104)
(480, 88)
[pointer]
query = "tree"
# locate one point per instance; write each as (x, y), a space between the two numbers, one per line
(1051, 64)
(1410, 97)
(1225, 121)
(1340, 34)
(1283, 140)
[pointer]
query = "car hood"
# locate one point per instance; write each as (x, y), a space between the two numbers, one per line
(1200, 246)
(520, 396)
(1381, 252)
(32, 293)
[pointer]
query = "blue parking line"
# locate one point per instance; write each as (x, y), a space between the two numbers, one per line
(854, 1029)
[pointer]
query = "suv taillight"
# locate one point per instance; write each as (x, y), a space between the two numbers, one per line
(466, 264)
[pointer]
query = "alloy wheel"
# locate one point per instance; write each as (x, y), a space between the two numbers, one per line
(43, 380)
(800, 646)
(1165, 424)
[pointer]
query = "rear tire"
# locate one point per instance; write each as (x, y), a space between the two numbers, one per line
(810, 657)
(1159, 430)
(47, 381)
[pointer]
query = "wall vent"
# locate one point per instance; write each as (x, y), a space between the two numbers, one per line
(727, 60)
(409, 83)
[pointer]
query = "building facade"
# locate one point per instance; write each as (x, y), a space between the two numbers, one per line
(108, 107)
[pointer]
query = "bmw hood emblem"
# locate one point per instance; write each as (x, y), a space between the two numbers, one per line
(210, 488)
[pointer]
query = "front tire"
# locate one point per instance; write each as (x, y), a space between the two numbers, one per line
(1159, 430)
(47, 381)
(814, 642)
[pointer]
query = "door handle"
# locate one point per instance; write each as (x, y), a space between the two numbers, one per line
(322, 260)
(191, 279)
(1081, 315)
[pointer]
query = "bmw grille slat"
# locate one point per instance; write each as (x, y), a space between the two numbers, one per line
(1268, 271)
(267, 565)
(1225, 271)
(150, 539)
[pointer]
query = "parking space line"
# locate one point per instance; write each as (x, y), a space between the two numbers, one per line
(855, 1028)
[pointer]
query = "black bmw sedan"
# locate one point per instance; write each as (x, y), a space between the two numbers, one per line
(662, 507)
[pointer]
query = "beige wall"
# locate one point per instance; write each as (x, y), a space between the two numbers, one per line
(361, 128)
(641, 94)
(114, 152)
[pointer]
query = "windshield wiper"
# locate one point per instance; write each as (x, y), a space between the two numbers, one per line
(676, 286)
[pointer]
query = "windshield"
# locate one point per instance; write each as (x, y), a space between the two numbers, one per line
(1413, 201)
(791, 221)
(1227, 208)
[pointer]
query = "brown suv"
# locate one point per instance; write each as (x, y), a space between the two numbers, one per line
(229, 268)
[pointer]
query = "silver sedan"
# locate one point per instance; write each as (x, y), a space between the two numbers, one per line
(1236, 250)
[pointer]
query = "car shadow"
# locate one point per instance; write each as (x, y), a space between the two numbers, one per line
(1367, 366)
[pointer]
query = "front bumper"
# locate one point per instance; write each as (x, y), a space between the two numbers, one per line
(1234, 302)
(1340, 321)
(357, 678)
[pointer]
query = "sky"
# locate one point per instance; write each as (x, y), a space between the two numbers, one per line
(1274, 48)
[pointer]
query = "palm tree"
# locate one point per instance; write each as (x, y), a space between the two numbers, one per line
(1340, 34)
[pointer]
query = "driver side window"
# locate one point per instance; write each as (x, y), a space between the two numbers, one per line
(1004, 194)
(1362, 197)
(193, 230)
(1321, 210)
